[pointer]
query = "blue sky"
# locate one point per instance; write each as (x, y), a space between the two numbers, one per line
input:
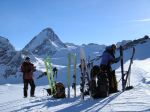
(75, 21)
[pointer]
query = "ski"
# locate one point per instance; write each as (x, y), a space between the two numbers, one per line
(82, 67)
(88, 71)
(48, 72)
(50, 75)
(122, 68)
(85, 80)
(69, 64)
(127, 74)
(74, 75)
(129, 69)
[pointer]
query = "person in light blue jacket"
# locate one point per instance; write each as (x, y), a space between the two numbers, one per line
(108, 58)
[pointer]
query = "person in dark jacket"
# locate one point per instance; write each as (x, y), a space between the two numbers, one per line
(27, 69)
(108, 58)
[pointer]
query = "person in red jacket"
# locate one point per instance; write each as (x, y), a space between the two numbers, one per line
(28, 68)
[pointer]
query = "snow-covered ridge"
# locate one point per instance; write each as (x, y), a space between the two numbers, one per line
(130, 43)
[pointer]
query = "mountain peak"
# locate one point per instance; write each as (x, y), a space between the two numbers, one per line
(5, 44)
(48, 29)
(46, 41)
(4, 40)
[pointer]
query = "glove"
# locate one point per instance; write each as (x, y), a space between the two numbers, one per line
(118, 59)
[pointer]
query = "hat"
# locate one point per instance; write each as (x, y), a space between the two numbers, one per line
(113, 46)
(27, 58)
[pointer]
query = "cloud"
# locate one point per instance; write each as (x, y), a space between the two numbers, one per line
(143, 20)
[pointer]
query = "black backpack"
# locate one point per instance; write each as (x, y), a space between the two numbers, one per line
(103, 85)
(95, 71)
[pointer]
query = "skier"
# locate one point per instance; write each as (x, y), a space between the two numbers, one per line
(27, 69)
(108, 58)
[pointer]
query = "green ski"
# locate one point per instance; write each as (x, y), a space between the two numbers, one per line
(50, 75)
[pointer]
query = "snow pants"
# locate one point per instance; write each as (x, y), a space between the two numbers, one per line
(31, 82)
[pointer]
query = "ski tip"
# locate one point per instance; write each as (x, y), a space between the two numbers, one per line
(82, 53)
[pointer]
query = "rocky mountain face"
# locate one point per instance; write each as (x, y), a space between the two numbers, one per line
(9, 58)
(46, 42)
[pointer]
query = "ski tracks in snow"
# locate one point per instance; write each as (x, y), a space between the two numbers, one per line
(132, 100)
(22, 104)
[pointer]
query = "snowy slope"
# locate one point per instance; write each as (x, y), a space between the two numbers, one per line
(137, 99)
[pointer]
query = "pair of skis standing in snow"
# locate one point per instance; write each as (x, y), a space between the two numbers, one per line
(58, 89)
(106, 79)
(70, 56)
(55, 89)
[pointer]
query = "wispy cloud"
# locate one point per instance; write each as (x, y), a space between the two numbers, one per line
(143, 20)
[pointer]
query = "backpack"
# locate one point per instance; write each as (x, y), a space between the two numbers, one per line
(60, 91)
(103, 85)
(113, 86)
(95, 71)
(27, 68)
(93, 88)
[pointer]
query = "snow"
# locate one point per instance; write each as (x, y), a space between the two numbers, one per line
(38, 40)
(137, 99)
(54, 44)
(47, 40)
(146, 63)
